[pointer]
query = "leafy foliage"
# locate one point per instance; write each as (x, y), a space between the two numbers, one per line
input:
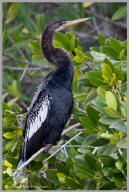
(97, 158)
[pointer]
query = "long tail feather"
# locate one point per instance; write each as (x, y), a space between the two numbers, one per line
(21, 162)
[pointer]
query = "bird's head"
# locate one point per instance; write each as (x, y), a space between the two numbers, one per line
(62, 24)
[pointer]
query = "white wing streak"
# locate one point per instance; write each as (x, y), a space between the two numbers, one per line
(37, 116)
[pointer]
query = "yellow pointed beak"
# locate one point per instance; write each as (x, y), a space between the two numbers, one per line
(68, 23)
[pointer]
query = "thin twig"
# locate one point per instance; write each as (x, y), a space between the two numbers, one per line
(14, 58)
(95, 150)
(70, 128)
(62, 147)
(82, 111)
(29, 68)
(65, 152)
(94, 20)
(117, 23)
(26, 61)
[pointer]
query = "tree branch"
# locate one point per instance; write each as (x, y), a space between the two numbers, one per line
(29, 68)
(61, 147)
(117, 23)
(14, 58)
(70, 128)
(26, 61)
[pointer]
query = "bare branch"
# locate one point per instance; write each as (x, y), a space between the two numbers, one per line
(117, 23)
(52, 155)
(70, 128)
(14, 58)
(26, 61)
(65, 152)
(94, 20)
(29, 68)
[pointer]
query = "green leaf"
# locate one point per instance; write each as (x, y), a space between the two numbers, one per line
(58, 44)
(9, 172)
(107, 61)
(117, 182)
(72, 43)
(61, 177)
(92, 114)
(40, 21)
(97, 56)
(120, 13)
(52, 177)
(11, 145)
(91, 95)
(89, 140)
(112, 113)
(9, 122)
(60, 168)
(107, 160)
(95, 78)
(107, 120)
(12, 12)
(88, 124)
(5, 107)
(119, 125)
(101, 94)
(17, 108)
(92, 162)
(14, 89)
(20, 44)
(35, 46)
(36, 56)
(78, 59)
(100, 142)
(76, 74)
(73, 184)
(111, 100)
(119, 165)
(7, 164)
(80, 96)
(107, 72)
(100, 107)
(122, 53)
(119, 73)
(79, 53)
(101, 39)
(110, 52)
(9, 135)
(12, 101)
(107, 149)
(69, 163)
(116, 45)
(122, 143)
(69, 35)
(27, 21)
(62, 39)
(82, 168)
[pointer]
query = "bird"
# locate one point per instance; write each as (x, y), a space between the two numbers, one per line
(52, 102)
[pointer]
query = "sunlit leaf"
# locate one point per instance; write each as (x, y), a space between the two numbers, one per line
(120, 13)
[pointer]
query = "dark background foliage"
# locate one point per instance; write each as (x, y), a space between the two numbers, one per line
(97, 158)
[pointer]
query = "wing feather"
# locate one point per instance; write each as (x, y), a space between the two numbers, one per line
(40, 87)
(35, 118)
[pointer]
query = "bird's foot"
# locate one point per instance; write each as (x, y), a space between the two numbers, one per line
(47, 146)
(43, 174)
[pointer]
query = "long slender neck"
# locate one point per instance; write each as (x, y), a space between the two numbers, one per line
(57, 56)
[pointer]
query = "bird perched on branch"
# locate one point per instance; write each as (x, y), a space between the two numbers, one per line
(52, 102)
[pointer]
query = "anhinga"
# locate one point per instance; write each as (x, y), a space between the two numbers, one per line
(52, 102)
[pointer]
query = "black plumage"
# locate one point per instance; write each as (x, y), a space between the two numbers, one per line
(52, 102)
